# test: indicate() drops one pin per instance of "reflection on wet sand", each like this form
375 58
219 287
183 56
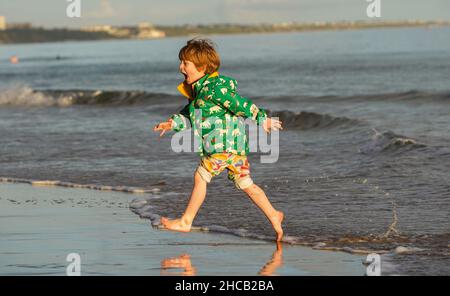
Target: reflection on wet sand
181 262
274 263
184 263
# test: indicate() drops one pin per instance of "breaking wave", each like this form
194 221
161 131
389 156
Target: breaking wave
26 96
389 142
311 120
407 96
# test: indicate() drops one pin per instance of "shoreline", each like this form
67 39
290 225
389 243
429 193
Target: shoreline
205 30
142 208
42 225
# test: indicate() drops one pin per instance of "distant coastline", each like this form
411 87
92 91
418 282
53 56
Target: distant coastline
34 34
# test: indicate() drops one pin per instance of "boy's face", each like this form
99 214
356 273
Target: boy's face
190 71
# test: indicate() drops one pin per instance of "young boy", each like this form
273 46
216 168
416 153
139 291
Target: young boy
213 111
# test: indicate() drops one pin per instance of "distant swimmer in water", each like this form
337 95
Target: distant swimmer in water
14 59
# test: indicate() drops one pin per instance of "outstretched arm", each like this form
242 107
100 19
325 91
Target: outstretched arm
176 122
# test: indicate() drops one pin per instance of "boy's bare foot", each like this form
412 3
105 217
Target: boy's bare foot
276 223
175 225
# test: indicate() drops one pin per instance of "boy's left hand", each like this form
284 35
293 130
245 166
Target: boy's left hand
272 124
163 127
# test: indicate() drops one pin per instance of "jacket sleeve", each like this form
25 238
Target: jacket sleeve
228 98
181 120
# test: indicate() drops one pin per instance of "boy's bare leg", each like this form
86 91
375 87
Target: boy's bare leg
197 197
275 217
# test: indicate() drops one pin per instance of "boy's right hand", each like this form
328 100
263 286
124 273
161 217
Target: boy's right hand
272 124
163 127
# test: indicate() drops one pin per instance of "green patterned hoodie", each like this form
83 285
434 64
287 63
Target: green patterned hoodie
215 112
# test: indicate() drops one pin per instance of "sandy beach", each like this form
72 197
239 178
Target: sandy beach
40 226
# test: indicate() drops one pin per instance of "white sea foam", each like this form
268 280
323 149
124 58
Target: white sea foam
26 96
133 190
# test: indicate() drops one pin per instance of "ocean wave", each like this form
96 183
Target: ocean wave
388 141
407 96
23 95
28 97
311 120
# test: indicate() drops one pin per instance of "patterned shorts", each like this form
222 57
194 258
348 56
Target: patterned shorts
237 166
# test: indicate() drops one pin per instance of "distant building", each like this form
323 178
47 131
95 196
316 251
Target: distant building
150 34
120 32
100 28
148 31
20 26
145 26
141 31
117 32
2 23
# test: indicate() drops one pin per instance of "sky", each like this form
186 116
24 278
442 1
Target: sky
52 13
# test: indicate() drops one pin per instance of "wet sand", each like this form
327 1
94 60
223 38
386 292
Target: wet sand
40 226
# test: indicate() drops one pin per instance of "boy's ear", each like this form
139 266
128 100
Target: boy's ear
202 69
